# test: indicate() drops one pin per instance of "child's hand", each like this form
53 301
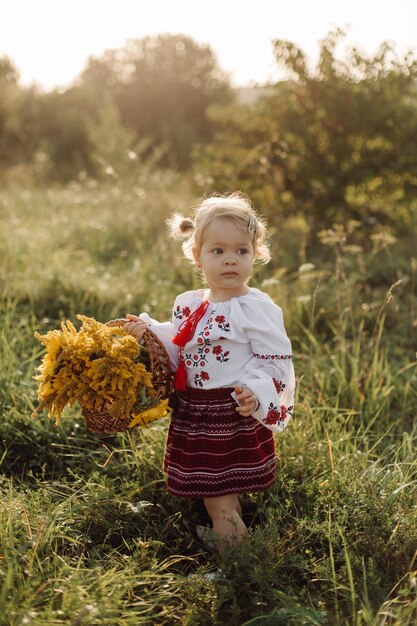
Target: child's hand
247 401
135 326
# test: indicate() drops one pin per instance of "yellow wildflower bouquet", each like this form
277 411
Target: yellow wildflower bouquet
107 371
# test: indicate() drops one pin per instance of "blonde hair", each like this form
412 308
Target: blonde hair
236 207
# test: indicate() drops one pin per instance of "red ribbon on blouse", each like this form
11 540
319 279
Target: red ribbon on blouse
185 334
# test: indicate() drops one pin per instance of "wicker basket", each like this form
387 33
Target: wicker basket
99 419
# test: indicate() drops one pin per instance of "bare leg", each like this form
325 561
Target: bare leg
227 523
238 507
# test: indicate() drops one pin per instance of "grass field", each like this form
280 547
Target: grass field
88 534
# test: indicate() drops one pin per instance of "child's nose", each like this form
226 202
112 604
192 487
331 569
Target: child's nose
230 260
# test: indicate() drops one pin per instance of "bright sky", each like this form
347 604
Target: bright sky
50 40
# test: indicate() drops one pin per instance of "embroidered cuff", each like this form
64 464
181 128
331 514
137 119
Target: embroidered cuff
273 357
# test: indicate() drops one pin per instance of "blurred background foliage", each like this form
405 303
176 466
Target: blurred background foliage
332 144
155 89
328 144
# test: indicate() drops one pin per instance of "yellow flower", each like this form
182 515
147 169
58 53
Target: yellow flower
97 363
149 415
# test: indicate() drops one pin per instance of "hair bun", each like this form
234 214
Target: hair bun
180 226
186 225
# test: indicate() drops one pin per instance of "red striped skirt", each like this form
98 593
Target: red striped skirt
212 451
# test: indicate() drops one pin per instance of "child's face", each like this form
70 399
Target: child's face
226 257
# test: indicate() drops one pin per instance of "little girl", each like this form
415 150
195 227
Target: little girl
234 374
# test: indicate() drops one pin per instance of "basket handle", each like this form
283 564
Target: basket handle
121 321
149 338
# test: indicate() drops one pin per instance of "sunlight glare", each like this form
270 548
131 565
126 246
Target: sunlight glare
50 41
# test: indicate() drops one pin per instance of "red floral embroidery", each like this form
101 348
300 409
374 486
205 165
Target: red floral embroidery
273 416
222 324
276 414
200 377
195 360
220 355
180 313
279 385
285 411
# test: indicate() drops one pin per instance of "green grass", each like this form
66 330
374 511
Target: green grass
88 534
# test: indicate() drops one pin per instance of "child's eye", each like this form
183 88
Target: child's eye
243 251
217 251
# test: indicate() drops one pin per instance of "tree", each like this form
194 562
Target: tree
334 144
10 130
63 121
162 86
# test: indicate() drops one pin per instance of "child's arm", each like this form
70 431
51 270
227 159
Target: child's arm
269 375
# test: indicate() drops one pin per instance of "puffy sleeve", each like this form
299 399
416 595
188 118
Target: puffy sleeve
165 332
270 372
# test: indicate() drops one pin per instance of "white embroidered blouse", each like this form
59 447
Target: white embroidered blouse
238 342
